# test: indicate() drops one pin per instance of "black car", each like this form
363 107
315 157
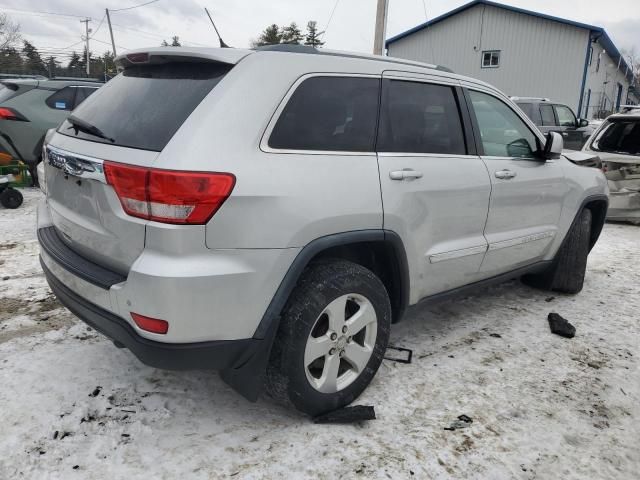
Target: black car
555 117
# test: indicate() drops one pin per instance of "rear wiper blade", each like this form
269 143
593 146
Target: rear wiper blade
80 125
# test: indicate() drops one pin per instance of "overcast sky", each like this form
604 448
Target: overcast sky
351 27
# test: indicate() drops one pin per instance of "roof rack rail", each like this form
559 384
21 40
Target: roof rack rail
308 49
78 79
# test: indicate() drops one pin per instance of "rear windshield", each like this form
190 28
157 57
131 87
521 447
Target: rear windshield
144 106
620 136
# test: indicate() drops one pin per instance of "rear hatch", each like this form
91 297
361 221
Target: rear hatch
98 162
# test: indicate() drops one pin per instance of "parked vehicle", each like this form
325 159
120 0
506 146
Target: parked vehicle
29 107
617 143
283 206
555 117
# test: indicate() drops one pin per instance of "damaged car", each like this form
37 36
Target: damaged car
617 144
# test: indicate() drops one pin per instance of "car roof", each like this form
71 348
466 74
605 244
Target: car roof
232 56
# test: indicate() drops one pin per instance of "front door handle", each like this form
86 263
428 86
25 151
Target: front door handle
505 174
405 174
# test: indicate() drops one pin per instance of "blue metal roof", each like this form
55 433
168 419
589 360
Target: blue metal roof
597 32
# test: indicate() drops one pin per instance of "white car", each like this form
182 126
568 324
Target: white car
617 144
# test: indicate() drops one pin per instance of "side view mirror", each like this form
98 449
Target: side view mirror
583 122
553 146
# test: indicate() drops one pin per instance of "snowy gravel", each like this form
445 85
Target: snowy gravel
545 407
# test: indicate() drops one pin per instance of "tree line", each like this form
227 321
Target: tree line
290 34
18 56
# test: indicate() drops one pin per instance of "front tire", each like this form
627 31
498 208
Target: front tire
332 338
567 273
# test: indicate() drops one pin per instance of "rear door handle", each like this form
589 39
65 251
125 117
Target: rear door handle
505 174
405 174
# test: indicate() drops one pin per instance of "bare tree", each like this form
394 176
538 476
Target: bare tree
9 32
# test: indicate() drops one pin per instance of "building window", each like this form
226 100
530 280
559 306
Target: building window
590 55
491 59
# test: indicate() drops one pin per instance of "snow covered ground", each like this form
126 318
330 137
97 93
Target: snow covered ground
73 406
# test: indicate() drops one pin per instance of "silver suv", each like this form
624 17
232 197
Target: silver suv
270 213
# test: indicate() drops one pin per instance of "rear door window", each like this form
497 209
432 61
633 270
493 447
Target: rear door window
548 117
62 99
420 118
329 114
145 105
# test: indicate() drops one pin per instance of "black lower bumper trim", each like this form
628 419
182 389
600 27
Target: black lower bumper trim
217 355
64 256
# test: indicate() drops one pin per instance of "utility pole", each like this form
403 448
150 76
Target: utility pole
113 43
381 27
87 30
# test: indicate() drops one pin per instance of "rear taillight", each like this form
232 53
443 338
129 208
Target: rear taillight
11 114
149 324
169 196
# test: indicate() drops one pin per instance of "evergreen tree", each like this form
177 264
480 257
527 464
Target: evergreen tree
10 60
270 36
164 43
291 34
53 66
74 62
33 62
175 41
313 36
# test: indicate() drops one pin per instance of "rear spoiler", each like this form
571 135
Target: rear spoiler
161 55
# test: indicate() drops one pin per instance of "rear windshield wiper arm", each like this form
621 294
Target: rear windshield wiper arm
80 125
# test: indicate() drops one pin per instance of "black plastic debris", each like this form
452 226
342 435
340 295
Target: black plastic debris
96 391
561 326
463 421
407 358
495 335
357 413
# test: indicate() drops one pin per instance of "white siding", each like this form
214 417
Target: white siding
603 95
539 57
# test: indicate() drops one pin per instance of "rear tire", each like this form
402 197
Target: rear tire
567 273
340 307
11 198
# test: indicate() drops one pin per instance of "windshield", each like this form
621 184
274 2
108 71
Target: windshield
144 106
619 136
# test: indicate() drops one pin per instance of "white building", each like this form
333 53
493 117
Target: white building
526 54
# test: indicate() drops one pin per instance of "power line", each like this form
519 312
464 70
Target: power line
99 25
39 13
424 5
135 6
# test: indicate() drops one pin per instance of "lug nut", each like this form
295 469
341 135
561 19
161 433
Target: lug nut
344 329
334 336
332 351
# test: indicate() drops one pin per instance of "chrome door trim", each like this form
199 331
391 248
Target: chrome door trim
464 252
521 240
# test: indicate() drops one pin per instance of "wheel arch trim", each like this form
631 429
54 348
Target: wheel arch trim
316 247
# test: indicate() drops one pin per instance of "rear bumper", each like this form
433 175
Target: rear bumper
220 354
